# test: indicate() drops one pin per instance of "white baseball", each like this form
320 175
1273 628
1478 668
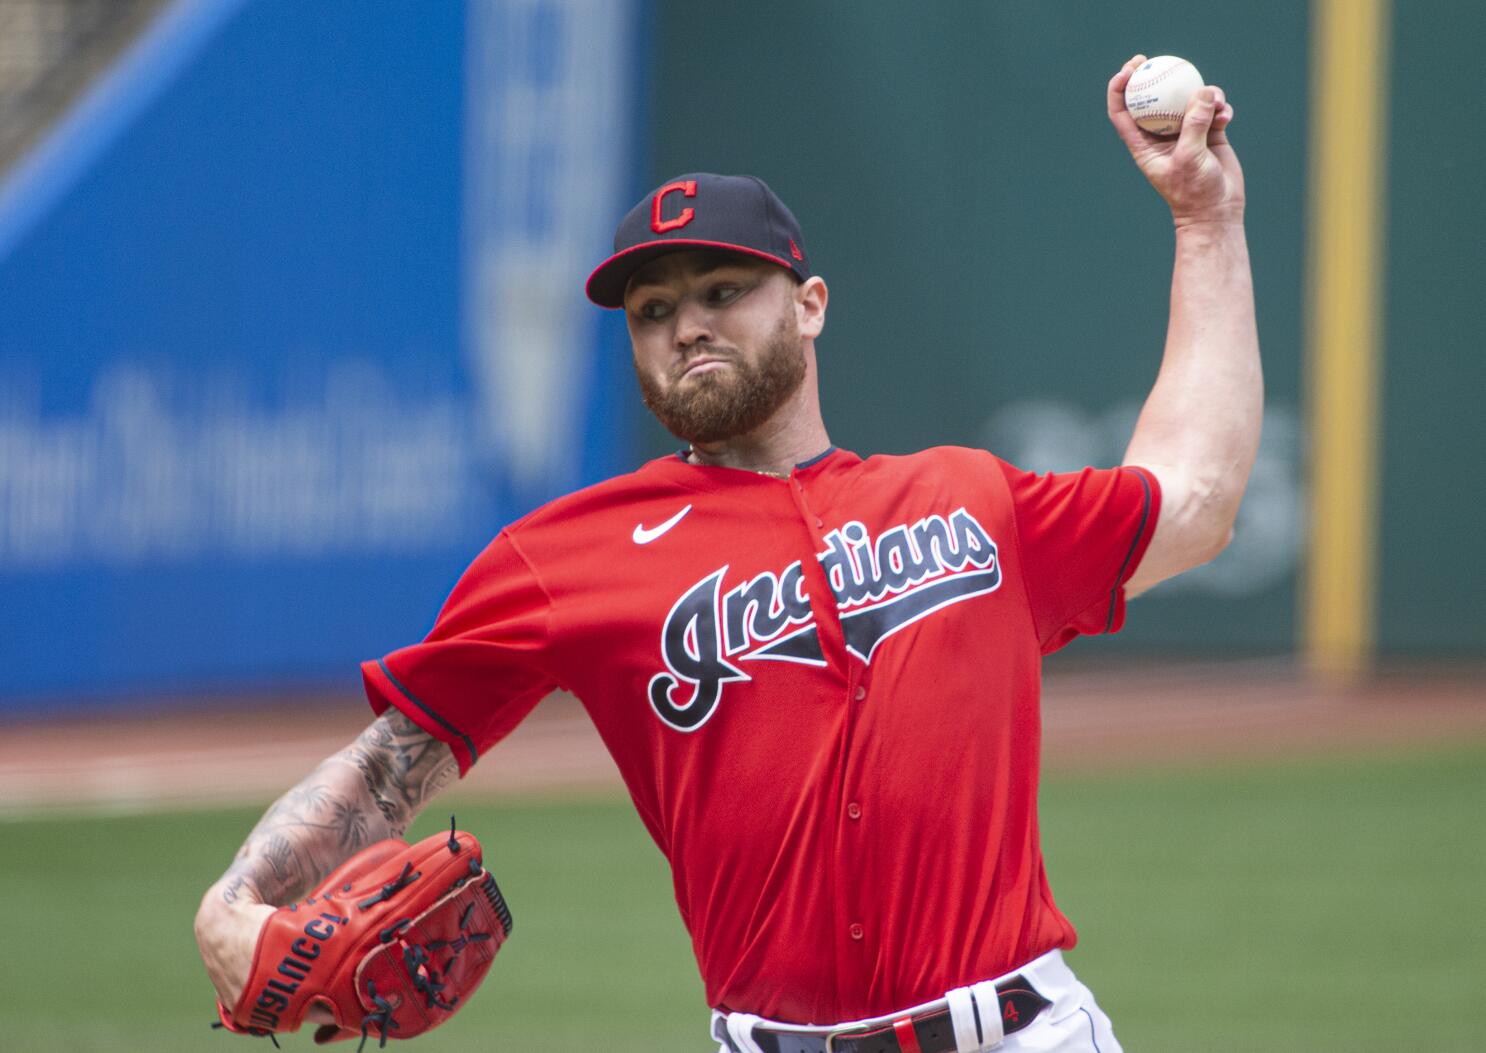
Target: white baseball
1158 92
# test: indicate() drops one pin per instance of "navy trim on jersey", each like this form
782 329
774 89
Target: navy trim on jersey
450 728
1093 1033
1139 533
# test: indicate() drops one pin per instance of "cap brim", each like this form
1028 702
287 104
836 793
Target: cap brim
609 279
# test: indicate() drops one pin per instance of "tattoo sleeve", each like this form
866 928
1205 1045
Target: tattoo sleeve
368 791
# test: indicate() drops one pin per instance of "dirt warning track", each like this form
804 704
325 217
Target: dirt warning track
217 751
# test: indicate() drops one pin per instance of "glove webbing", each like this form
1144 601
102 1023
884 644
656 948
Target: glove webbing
416 956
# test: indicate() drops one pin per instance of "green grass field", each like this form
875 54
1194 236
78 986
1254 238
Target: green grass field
1337 905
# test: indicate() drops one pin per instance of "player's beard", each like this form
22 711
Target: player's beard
725 403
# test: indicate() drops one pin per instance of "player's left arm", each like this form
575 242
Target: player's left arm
369 791
1198 432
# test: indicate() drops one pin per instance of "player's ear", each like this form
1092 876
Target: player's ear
810 304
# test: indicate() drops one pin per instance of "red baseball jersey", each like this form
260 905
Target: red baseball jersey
822 694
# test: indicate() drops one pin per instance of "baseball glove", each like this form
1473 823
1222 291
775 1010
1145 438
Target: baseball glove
391 943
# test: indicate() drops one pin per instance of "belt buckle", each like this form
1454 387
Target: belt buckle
843 1032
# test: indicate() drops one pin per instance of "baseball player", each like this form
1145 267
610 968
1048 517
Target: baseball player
818 673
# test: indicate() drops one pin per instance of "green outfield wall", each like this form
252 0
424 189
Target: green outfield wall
1432 595
999 270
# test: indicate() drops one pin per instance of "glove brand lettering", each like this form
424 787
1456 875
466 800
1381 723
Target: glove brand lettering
273 997
322 932
295 969
907 573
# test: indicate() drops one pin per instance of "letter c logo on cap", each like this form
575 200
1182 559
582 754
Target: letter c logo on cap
660 226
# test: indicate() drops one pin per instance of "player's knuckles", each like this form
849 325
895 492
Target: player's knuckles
1203 101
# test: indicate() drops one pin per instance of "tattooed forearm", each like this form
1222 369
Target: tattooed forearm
371 790
402 768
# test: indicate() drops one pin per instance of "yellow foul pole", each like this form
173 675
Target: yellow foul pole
1344 313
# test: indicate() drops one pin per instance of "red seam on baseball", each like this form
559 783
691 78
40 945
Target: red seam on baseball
1159 77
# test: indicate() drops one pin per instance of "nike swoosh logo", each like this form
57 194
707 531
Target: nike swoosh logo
644 536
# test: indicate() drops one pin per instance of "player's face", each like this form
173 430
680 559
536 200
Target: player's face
716 341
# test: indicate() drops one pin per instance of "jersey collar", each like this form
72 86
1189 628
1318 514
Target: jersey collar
677 468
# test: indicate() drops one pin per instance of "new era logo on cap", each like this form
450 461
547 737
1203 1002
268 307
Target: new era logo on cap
700 211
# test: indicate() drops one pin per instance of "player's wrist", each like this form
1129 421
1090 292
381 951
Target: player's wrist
1228 216
234 889
219 919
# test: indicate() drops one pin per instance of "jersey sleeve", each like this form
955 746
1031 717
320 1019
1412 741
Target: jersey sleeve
1081 536
482 668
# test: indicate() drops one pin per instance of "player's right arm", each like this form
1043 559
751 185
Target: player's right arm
369 791
1198 432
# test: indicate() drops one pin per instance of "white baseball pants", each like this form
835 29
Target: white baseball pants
1073 1023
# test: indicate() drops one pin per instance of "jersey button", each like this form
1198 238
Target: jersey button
856 931
861 693
853 810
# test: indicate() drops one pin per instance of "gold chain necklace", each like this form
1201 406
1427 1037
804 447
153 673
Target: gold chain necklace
691 458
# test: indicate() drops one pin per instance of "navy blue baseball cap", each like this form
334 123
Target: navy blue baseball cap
700 211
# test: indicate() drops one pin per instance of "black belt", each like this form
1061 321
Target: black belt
1019 1006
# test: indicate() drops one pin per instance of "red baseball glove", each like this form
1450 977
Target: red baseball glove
392 943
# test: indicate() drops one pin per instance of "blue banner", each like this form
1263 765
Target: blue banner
291 323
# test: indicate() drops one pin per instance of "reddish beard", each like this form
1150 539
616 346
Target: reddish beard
725 403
